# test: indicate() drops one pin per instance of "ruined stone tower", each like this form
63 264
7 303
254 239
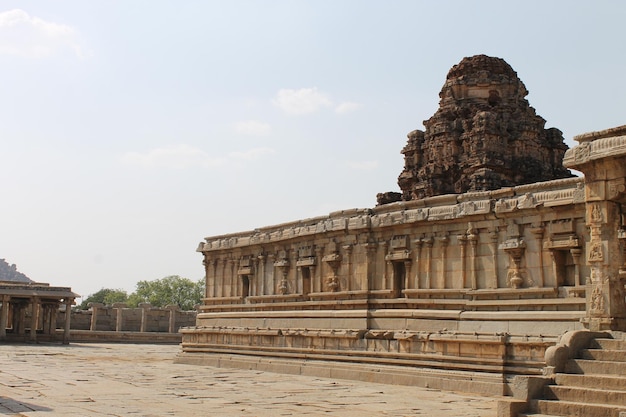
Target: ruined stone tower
484 136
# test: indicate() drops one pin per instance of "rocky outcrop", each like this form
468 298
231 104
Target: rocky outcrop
484 136
10 273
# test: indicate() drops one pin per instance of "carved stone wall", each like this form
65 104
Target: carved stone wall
484 136
478 282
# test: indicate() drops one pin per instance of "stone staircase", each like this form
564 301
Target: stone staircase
592 385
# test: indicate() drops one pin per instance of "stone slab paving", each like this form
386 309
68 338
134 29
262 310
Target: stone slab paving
142 380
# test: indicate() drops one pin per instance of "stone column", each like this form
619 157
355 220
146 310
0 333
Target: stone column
19 318
348 251
417 262
145 308
317 277
371 249
444 260
34 318
429 260
576 253
472 237
45 315
68 317
493 237
53 320
261 274
172 325
384 245
4 317
462 239
538 233
601 156
254 277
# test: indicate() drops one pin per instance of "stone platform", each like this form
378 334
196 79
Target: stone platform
142 380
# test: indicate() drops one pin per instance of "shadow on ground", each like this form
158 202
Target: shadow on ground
9 406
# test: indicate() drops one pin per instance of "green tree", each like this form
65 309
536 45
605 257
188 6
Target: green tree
169 290
106 296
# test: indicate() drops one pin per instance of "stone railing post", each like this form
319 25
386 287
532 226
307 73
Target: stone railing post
173 309
119 318
94 315
145 308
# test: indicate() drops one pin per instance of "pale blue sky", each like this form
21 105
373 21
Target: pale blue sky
130 130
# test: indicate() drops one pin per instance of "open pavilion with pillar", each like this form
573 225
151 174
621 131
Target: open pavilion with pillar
29 311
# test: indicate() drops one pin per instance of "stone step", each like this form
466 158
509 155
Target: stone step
585 395
610 344
595 381
586 366
569 408
603 355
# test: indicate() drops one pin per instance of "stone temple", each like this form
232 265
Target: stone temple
492 271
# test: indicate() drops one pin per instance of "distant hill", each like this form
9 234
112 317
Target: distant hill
9 273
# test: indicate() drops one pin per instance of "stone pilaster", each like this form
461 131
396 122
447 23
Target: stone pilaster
601 156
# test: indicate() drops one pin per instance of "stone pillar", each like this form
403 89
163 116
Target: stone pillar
472 237
19 318
576 253
34 318
384 245
417 262
4 317
173 309
53 320
462 239
317 277
493 237
444 260
261 274
94 315
119 316
254 277
429 260
348 251
145 308
538 233
68 317
601 156
371 249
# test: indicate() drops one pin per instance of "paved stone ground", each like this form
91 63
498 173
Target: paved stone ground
142 380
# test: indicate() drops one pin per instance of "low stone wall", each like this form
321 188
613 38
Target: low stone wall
118 317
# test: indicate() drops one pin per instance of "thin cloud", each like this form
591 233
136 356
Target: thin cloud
253 128
302 101
347 107
177 157
362 165
184 156
28 36
251 154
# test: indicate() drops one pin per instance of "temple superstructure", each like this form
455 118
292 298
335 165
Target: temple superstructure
484 136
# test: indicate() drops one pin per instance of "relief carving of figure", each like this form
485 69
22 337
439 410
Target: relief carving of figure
595 253
597 300
596 213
